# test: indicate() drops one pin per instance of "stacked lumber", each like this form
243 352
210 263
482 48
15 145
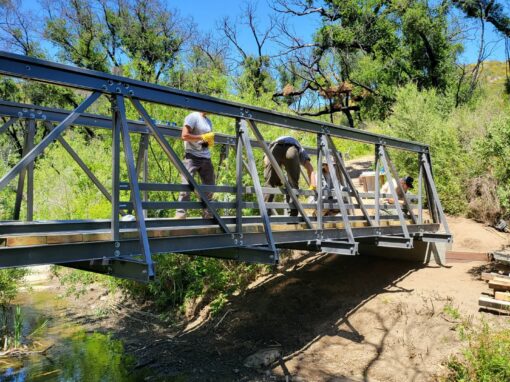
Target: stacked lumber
500 300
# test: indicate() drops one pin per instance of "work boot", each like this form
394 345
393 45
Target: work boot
181 215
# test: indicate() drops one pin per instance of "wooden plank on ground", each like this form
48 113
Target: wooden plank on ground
493 304
502 296
486 276
499 284
466 256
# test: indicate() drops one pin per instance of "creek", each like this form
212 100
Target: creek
72 353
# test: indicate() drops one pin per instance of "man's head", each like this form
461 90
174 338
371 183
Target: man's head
407 183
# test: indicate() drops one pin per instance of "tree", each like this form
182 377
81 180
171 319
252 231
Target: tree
371 46
255 77
145 34
493 12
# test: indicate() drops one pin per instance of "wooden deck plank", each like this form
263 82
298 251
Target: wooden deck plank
62 239
125 234
22 241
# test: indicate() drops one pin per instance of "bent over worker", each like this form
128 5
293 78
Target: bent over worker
289 154
406 183
198 138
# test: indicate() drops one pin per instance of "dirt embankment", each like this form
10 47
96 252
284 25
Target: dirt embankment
331 318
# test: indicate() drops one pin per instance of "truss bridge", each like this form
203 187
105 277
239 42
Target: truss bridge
240 227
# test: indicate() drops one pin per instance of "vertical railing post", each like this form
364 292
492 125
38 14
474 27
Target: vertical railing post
239 178
30 171
115 171
21 177
320 225
337 189
420 186
348 181
252 169
376 187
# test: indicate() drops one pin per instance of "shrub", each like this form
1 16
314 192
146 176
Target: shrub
485 359
423 116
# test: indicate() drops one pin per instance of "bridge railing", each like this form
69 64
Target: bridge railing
229 217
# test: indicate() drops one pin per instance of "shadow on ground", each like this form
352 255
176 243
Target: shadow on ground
291 310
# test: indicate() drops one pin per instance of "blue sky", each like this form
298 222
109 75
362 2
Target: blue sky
206 14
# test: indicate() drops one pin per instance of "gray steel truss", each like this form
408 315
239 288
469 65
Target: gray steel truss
125 248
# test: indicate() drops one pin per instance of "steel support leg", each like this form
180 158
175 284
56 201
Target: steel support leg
30 172
320 184
377 198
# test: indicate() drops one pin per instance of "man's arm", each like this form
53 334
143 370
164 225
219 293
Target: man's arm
187 136
311 174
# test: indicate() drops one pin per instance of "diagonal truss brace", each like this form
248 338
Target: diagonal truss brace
384 162
174 158
274 163
252 169
337 189
396 177
425 163
7 124
341 165
39 148
80 163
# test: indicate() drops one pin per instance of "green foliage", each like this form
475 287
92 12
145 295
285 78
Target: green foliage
10 281
494 149
181 278
451 311
423 116
378 46
485 358
77 282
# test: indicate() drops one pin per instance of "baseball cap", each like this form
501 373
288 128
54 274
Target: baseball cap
409 181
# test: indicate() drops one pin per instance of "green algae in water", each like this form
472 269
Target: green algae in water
83 357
